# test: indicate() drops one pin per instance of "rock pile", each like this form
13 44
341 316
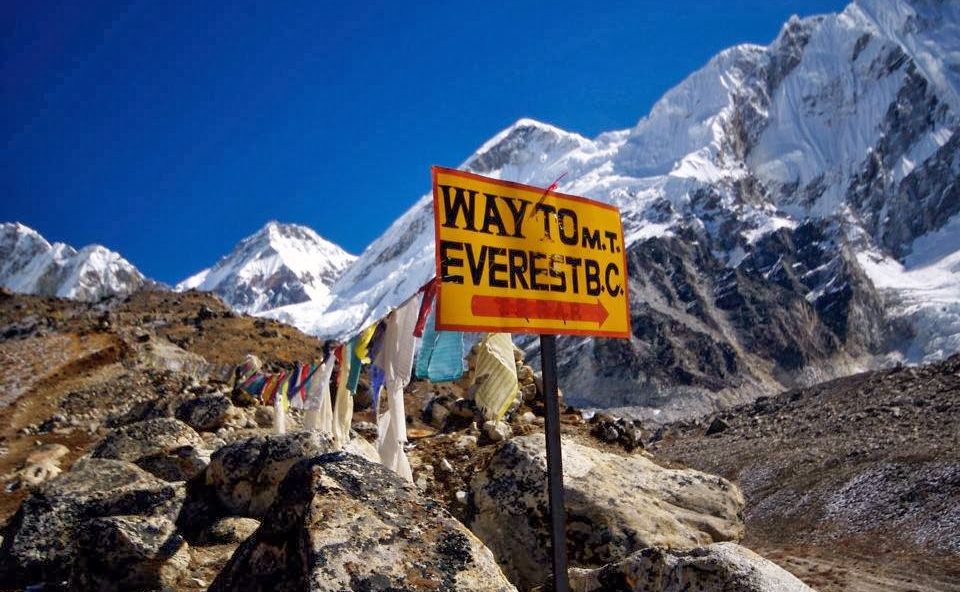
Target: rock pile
451 409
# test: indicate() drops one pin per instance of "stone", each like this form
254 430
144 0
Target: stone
39 542
529 393
717 426
720 567
177 464
167 447
34 474
245 474
497 431
631 437
526 375
437 414
206 413
119 553
341 522
616 505
466 442
232 529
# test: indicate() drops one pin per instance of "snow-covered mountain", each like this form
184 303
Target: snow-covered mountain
281 264
791 211
31 265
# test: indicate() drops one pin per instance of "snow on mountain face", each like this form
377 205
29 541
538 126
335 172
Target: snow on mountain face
848 120
31 265
280 265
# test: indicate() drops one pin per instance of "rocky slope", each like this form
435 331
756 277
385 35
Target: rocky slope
864 467
791 211
31 265
281 264
129 465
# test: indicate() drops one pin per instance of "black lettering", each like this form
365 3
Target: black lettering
591 240
518 208
491 216
591 272
613 290
475 264
612 237
518 267
534 271
446 261
574 263
557 274
547 211
459 205
493 267
568 226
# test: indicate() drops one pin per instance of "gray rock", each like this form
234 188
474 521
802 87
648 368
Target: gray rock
129 553
205 413
720 567
245 474
39 542
343 523
616 505
177 464
167 447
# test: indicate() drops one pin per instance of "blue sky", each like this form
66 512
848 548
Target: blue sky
168 131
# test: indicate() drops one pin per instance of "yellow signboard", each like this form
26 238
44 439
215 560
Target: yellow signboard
518 259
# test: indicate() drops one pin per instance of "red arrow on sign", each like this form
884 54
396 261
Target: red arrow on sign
529 308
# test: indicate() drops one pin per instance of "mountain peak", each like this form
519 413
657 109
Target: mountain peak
32 265
279 265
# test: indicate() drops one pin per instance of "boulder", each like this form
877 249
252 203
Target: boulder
245 474
120 553
206 413
167 447
341 522
616 505
720 567
39 542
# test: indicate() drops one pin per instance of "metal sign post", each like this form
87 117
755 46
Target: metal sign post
558 514
514 258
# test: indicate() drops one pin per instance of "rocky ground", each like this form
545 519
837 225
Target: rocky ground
852 484
126 464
